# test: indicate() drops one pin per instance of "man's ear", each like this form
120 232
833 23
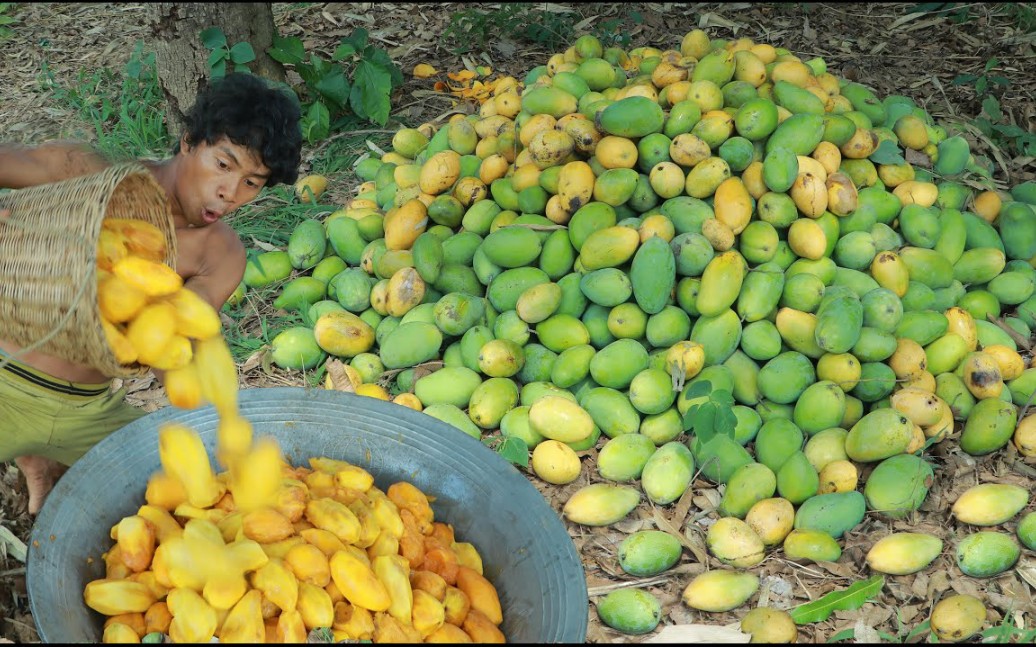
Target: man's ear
185 144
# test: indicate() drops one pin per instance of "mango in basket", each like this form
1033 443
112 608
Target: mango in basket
124 351
141 238
111 248
153 278
151 330
118 300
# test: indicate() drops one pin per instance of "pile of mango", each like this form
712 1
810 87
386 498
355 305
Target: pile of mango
617 228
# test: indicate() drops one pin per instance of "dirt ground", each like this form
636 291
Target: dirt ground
882 45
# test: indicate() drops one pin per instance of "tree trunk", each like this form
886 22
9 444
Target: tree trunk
181 59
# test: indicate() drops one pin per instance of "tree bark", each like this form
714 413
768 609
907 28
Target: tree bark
181 59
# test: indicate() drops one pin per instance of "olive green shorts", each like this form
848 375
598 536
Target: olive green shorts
43 416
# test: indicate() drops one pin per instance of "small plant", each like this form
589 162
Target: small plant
472 29
6 9
357 82
512 449
712 418
125 111
991 121
239 56
615 32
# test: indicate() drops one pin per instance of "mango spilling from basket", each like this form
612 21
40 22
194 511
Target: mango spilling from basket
243 557
149 316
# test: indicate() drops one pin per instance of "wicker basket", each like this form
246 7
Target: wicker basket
48 255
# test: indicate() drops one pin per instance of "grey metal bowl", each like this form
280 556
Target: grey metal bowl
526 550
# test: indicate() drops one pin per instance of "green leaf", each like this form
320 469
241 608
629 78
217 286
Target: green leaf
213 38
723 398
848 599
698 389
991 63
335 88
358 39
963 79
980 84
219 70
704 422
316 122
726 421
287 51
887 153
242 53
514 450
216 56
344 50
369 96
381 58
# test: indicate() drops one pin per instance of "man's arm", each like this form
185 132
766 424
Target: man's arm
22 166
221 269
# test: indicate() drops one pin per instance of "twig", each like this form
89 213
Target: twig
1011 332
13 572
607 588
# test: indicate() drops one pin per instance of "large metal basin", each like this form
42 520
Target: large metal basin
526 551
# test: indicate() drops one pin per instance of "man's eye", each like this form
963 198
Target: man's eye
222 164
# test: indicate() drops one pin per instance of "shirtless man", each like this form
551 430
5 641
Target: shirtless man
241 135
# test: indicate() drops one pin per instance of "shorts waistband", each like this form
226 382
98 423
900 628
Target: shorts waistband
41 379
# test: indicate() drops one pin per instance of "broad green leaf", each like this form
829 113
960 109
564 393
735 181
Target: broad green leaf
287 51
242 53
358 39
344 50
514 450
381 58
698 389
845 600
722 398
335 88
320 66
213 37
704 419
887 153
844 634
308 74
369 96
726 421
316 122
219 70
216 56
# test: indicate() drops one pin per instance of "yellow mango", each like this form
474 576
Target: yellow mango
335 517
119 301
195 317
277 583
358 583
112 597
354 621
405 224
194 621
183 456
121 346
153 278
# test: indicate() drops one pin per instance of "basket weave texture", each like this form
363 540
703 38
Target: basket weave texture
48 256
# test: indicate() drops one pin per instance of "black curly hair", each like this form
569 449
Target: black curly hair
254 114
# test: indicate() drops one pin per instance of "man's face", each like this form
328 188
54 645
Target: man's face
215 179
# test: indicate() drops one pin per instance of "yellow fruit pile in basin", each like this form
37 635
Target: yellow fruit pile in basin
243 557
